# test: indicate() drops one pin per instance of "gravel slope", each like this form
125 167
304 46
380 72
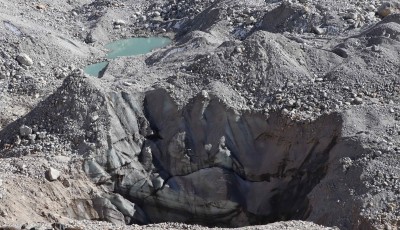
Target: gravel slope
292 105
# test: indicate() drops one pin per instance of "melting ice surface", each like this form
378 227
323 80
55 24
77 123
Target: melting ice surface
127 47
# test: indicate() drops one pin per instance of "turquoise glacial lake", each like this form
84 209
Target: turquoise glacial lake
127 47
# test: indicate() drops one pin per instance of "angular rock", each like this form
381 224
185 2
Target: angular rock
24 59
157 182
120 22
25 131
90 38
357 101
53 174
385 9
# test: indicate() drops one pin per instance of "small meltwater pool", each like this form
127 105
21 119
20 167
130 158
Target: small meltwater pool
127 47
95 69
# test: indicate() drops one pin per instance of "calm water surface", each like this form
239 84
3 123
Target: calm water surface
127 47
